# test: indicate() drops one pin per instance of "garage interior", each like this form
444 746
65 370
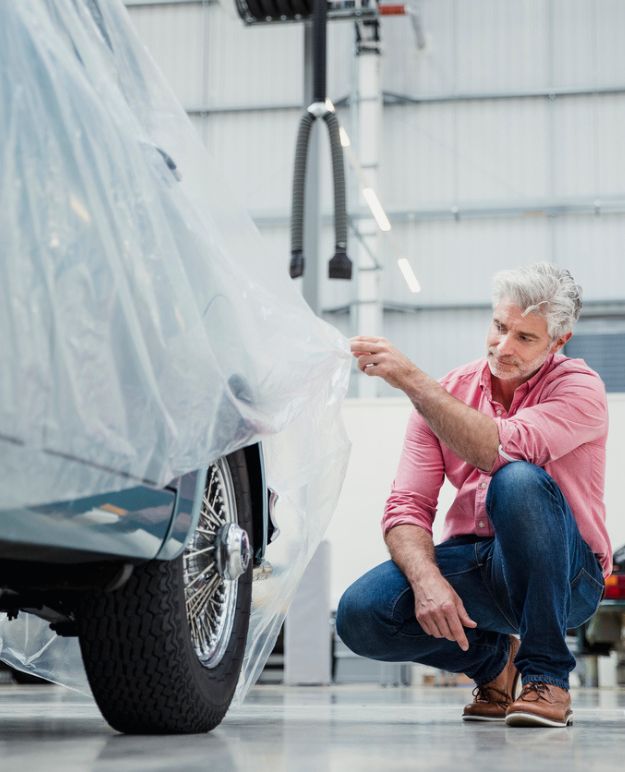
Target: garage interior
490 133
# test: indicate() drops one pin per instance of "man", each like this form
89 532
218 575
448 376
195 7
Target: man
521 435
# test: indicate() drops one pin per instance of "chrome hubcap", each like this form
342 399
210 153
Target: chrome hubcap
232 551
216 556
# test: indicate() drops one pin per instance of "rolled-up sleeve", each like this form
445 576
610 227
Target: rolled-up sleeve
574 413
414 492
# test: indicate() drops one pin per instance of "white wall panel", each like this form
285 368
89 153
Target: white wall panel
572 56
477 151
501 149
610 23
454 261
500 45
475 45
609 114
340 58
418 155
587 132
594 250
408 70
254 65
256 153
574 147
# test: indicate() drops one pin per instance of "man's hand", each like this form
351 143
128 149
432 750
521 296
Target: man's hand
470 434
438 607
376 356
440 611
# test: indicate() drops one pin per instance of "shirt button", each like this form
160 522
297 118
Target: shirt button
482 485
481 524
499 411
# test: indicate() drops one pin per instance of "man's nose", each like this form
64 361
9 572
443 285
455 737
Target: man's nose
505 344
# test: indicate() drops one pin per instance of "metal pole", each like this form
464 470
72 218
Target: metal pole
312 208
367 311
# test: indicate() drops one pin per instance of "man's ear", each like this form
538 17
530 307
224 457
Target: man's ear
561 341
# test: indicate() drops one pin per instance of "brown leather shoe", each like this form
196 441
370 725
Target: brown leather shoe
491 700
541 704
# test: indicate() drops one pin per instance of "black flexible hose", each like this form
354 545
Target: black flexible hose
338 174
319 31
340 266
297 201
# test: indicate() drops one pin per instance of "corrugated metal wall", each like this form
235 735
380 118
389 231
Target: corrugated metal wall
517 127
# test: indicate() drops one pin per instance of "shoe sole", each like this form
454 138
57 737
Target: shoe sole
531 719
482 718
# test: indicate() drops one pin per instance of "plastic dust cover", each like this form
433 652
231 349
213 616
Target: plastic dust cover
146 329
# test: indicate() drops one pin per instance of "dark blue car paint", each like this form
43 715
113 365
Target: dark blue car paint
140 523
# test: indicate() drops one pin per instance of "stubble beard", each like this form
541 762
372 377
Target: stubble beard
513 369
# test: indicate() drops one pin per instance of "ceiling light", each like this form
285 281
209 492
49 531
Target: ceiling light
411 279
376 209
345 141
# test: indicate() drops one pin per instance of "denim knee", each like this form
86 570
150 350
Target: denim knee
356 620
516 476
522 496
515 484
350 617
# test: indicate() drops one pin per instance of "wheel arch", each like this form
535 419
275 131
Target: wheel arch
189 495
260 507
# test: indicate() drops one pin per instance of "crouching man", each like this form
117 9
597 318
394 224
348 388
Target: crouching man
521 435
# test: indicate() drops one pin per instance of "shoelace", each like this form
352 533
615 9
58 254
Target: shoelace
535 691
490 694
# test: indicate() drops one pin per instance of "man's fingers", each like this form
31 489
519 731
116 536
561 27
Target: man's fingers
448 623
429 626
445 628
367 345
464 617
366 339
368 364
457 632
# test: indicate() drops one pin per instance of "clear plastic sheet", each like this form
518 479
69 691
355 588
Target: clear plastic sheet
146 329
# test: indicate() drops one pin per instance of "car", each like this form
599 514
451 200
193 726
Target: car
603 633
150 356
155 583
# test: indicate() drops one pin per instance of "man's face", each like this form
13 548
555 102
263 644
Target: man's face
518 345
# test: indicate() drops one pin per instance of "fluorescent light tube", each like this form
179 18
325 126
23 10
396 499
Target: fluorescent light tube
345 141
411 279
376 209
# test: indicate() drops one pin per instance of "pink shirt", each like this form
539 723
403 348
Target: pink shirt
558 420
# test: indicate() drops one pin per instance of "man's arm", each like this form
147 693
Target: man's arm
472 435
438 607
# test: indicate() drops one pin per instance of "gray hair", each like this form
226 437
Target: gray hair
543 289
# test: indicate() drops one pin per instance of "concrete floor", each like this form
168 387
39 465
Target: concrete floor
342 729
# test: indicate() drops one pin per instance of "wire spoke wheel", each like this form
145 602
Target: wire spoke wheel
163 652
210 597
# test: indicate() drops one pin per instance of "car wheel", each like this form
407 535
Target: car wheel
163 653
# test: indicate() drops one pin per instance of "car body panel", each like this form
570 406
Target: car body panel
190 489
140 523
132 523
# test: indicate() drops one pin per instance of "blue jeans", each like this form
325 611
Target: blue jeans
536 577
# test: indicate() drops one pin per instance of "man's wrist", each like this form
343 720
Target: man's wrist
417 385
423 572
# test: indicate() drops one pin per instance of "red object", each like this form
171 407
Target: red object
615 587
392 10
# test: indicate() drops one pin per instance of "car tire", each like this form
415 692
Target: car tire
148 666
